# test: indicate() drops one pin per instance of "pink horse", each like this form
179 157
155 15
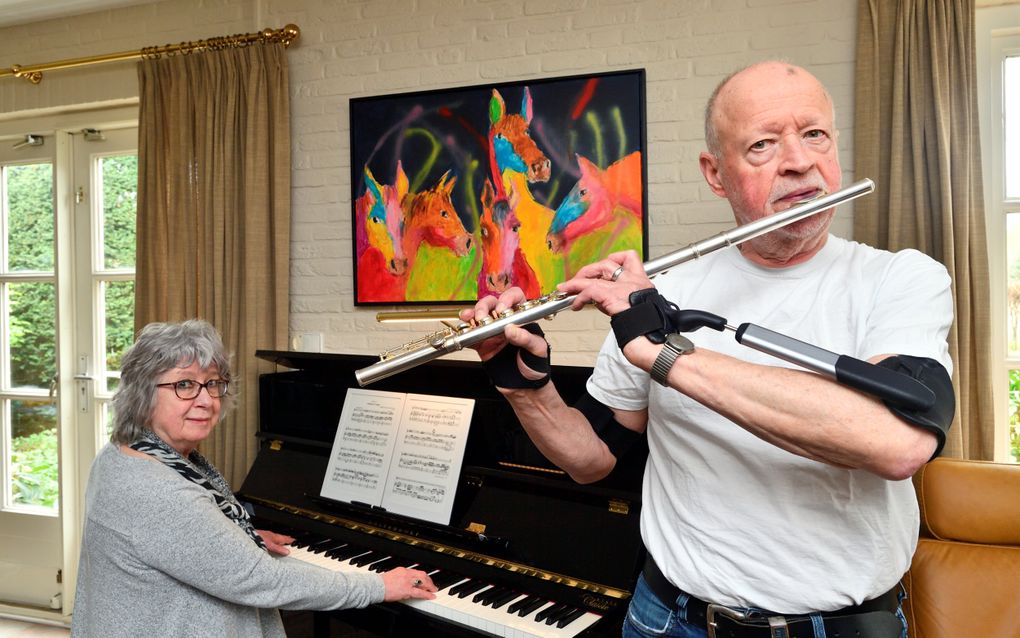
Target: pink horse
599 200
503 263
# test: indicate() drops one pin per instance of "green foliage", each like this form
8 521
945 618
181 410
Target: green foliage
31 247
34 473
120 197
1014 414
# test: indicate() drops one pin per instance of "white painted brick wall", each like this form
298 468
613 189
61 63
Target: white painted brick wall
355 48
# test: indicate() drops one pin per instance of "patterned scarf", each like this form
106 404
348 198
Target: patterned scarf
205 475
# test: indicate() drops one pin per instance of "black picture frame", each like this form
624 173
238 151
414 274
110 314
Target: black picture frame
464 191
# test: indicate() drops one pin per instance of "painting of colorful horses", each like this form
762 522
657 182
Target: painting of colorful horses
463 192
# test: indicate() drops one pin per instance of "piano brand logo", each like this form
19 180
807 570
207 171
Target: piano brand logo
596 602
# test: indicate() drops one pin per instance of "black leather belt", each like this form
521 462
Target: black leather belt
873 618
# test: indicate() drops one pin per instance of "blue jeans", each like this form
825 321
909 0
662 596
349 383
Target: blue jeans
647 617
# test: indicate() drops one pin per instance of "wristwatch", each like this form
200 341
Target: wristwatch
676 345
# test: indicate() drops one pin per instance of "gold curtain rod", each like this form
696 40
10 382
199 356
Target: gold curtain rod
33 73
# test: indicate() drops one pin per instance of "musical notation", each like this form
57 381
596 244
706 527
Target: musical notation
423 437
427 492
434 418
431 439
365 437
355 478
427 464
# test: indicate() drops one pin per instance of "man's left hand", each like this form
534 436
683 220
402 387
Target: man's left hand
607 283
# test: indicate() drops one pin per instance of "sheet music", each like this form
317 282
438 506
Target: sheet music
402 452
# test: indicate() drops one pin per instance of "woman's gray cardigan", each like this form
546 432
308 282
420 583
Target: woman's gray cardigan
159 558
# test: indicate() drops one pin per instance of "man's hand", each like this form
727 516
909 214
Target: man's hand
275 543
513 334
607 283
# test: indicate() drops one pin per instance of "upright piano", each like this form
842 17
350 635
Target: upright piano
528 554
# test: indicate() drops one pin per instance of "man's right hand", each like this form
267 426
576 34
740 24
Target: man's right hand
489 306
513 334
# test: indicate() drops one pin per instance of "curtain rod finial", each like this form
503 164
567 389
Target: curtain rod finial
291 32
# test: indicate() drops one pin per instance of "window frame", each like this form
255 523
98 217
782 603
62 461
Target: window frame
997 35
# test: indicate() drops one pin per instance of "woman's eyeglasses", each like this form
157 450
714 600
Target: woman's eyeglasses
189 388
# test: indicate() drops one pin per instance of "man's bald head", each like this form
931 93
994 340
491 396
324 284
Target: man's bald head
744 79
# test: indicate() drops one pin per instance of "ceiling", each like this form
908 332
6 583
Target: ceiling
13 12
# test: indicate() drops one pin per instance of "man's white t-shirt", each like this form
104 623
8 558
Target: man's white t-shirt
737 521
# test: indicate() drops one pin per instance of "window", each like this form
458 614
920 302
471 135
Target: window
67 253
998 61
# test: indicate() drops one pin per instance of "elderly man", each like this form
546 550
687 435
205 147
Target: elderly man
775 500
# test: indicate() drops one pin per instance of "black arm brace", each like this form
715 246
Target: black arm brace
504 372
616 437
931 374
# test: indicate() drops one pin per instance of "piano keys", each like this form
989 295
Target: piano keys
528 553
472 602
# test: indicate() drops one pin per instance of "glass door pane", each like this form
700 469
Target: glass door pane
1011 125
31 555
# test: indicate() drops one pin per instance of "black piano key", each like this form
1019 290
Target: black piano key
325 548
368 559
444 579
505 598
486 596
549 611
387 564
471 587
457 588
320 546
554 617
306 539
514 608
569 618
346 552
532 606
428 569
299 538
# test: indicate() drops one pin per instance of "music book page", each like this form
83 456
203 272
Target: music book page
401 452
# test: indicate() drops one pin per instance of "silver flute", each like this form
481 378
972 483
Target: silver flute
464 335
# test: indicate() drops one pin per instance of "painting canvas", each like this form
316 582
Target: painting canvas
464 192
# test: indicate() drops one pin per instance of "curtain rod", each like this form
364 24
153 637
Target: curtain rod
33 73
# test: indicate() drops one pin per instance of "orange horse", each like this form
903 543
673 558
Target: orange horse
392 225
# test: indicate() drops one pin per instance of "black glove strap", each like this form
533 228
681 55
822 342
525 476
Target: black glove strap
649 316
504 371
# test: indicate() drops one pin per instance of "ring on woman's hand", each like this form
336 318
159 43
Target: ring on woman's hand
616 274
416 582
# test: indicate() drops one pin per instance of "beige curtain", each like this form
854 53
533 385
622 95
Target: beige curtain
916 135
214 214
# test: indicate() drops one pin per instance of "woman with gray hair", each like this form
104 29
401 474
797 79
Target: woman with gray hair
167 550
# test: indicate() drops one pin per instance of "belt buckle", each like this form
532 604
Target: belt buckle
723 610
777 624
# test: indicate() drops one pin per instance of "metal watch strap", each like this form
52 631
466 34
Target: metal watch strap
668 355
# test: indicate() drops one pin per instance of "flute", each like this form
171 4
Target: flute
464 335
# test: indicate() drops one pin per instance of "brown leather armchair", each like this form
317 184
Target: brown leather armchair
965 577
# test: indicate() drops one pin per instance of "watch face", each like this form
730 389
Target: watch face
680 342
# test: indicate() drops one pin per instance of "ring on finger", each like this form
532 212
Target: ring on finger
416 582
616 274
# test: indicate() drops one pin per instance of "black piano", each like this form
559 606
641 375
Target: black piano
529 552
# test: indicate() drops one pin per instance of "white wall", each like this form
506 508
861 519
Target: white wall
353 48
